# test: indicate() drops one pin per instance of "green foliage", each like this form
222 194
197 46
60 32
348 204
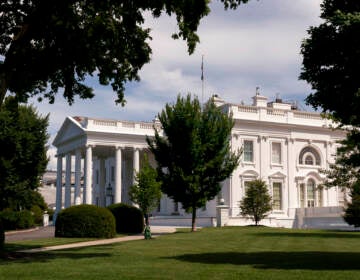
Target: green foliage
352 211
344 172
146 192
85 221
257 202
129 219
331 61
52 45
37 214
194 157
17 219
23 161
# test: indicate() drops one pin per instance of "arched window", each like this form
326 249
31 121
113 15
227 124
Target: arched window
309 156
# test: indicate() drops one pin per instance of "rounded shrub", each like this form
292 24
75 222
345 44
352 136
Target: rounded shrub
16 219
129 219
85 221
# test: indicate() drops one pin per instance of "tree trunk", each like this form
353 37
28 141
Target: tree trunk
3 88
146 219
193 219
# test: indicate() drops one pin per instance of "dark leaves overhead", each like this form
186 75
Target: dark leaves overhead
48 45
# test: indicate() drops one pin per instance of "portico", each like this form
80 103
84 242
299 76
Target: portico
98 169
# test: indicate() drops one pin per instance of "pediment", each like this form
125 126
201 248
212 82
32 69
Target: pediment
70 129
277 175
249 173
315 175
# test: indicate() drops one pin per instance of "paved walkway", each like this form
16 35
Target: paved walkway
44 232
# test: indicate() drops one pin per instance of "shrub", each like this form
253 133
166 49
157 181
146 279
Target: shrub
129 219
16 219
37 214
85 221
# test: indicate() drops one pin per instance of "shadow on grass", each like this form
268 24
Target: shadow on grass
279 260
306 234
75 253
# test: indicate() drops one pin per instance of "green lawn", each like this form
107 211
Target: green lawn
212 253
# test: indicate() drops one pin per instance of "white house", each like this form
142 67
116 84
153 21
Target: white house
282 145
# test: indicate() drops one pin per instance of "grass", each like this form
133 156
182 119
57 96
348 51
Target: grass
211 253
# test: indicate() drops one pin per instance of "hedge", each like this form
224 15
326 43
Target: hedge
17 219
85 221
129 219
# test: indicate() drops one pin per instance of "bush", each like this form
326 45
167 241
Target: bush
38 214
129 219
85 221
16 219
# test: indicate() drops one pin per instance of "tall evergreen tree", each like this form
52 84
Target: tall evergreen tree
257 202
194 155
146 192
23 160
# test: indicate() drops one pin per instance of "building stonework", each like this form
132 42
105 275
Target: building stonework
281 145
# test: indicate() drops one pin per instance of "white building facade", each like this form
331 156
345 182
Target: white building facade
281 145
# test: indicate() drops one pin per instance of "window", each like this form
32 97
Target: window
246 186
309 156
309 160
97 177
276 197
248 151
310 188
112 174
302 195
276 153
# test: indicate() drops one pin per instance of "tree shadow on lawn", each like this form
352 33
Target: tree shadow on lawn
309 234
279 260
74 253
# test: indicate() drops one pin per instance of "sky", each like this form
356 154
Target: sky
257 45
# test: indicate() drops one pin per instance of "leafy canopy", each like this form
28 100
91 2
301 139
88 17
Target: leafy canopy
257 202
23 159
48 45
194 155
331 61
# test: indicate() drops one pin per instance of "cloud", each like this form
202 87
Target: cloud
256 45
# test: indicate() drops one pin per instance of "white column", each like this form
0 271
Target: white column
291 166
136 162
136 167
77 197
118 183
68 181
59 184
88 175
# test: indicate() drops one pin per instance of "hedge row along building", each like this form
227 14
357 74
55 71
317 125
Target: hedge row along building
282 145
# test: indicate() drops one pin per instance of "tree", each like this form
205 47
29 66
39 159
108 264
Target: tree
23 159
146 192
256 202
352 212
52 45
331 62
193 157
